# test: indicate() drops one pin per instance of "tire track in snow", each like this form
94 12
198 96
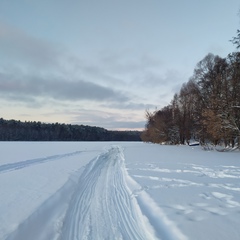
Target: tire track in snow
103 206
27 163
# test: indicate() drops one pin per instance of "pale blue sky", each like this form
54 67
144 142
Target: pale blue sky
103 62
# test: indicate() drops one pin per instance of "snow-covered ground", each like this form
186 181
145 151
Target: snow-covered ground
100 190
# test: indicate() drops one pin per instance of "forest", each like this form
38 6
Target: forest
207 107
12 130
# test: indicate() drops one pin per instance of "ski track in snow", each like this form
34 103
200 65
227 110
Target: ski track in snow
103 203
27 163
104 199
102 206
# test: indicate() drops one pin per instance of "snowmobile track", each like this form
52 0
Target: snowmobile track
102 206
30 162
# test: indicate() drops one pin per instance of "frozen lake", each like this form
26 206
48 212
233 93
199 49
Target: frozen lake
117 190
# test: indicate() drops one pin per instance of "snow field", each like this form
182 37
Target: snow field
198 190
71 191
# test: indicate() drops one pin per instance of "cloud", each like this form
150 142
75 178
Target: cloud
35 73
27 87
124 125
116 125
22 48
107 120
129 105
124 63
92 70
98 80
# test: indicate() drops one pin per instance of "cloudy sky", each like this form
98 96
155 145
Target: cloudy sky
104 62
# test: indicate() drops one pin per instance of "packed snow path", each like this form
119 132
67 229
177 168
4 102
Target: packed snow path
102 206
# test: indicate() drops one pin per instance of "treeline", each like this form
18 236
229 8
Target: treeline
207 108
12 130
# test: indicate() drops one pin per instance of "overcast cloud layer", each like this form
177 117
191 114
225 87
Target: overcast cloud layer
104 63
59 89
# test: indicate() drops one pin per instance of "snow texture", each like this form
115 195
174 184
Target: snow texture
77 191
